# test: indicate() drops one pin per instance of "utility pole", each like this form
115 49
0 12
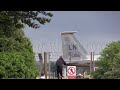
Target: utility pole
45 64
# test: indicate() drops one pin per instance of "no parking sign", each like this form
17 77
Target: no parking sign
71 72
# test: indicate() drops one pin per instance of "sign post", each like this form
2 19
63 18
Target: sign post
71 72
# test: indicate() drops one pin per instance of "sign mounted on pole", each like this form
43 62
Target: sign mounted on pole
71 72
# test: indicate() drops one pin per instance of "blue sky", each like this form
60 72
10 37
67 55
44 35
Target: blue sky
91 26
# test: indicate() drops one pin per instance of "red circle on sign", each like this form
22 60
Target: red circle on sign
71 69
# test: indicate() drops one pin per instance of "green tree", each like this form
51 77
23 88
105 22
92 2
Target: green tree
16 52
109 63
13 21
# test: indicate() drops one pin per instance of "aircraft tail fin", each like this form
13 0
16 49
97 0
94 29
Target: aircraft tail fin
71 47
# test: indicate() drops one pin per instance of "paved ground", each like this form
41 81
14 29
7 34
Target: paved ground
56 77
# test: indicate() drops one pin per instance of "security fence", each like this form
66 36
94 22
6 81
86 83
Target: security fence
95 46
54 50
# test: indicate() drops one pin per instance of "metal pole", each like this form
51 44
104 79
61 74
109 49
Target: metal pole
70 57
41 62
91 62
45 64
53 72
49 63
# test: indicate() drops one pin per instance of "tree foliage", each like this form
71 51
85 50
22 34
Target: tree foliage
109 63
16 52
19 18
17 65
13 21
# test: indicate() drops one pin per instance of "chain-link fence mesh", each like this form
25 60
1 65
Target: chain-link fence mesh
55 50
95 46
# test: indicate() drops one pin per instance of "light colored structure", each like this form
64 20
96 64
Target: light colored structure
72 49
74 52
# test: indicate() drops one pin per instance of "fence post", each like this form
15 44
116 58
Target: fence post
70 57
41 62
49 64
91 62
53 72
45 64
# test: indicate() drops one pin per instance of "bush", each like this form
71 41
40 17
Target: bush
109 63
17 65
17 58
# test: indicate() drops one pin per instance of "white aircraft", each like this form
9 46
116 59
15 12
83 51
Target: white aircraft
73 51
